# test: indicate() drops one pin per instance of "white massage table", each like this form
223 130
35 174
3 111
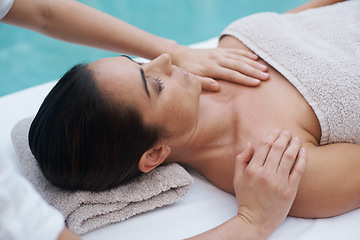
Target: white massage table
202 208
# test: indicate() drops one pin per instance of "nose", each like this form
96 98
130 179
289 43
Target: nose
161 64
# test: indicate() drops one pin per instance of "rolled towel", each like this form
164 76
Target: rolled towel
85 211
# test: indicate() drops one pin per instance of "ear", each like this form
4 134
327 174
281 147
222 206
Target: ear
153 158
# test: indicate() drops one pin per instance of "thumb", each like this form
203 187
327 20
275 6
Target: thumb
243 159
209 84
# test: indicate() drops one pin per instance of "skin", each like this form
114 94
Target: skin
56 19
74 22
320 193
273 171
201 136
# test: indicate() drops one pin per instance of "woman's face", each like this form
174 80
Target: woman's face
166 95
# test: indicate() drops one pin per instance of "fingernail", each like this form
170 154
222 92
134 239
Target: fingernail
264 75
214 85
263 67
255 81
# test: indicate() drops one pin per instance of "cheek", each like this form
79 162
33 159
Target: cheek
179 116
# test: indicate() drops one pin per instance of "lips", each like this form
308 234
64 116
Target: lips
186 75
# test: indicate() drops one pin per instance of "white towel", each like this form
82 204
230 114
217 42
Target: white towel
85 211
318 51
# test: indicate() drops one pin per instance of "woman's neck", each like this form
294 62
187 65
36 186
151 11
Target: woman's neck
216 133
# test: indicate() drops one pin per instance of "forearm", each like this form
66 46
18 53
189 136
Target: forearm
314 4
235 228
74 22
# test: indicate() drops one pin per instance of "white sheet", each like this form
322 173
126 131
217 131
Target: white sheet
202 208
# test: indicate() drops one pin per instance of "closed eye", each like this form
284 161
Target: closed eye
160 84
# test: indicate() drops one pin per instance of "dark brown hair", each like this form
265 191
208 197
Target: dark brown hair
82 140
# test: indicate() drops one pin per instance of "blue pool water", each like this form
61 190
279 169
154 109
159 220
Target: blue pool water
28 58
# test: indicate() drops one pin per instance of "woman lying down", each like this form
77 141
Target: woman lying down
105 123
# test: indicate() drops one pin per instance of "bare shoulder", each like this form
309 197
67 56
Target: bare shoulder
330 184
228 41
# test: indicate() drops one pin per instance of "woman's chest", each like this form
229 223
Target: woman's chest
273 105
276 103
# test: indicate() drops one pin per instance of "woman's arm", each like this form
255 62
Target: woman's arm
331 182
75 22
314 4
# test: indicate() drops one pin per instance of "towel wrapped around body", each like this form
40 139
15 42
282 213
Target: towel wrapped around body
318 51
85 211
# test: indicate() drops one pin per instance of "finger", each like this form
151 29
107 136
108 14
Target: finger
263 149
289 157
247 67
277 150
246 154
298 169
245 56
241 52
236 77
251 62
209 84
255 64
242 160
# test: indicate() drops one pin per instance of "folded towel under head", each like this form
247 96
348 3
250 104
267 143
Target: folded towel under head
86 211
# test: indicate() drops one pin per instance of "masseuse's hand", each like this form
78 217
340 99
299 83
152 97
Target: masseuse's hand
266 180
229 64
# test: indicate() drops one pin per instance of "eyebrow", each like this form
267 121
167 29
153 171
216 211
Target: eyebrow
126 56
145 82
141 72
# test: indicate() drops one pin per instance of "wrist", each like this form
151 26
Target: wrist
254 230
154 46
